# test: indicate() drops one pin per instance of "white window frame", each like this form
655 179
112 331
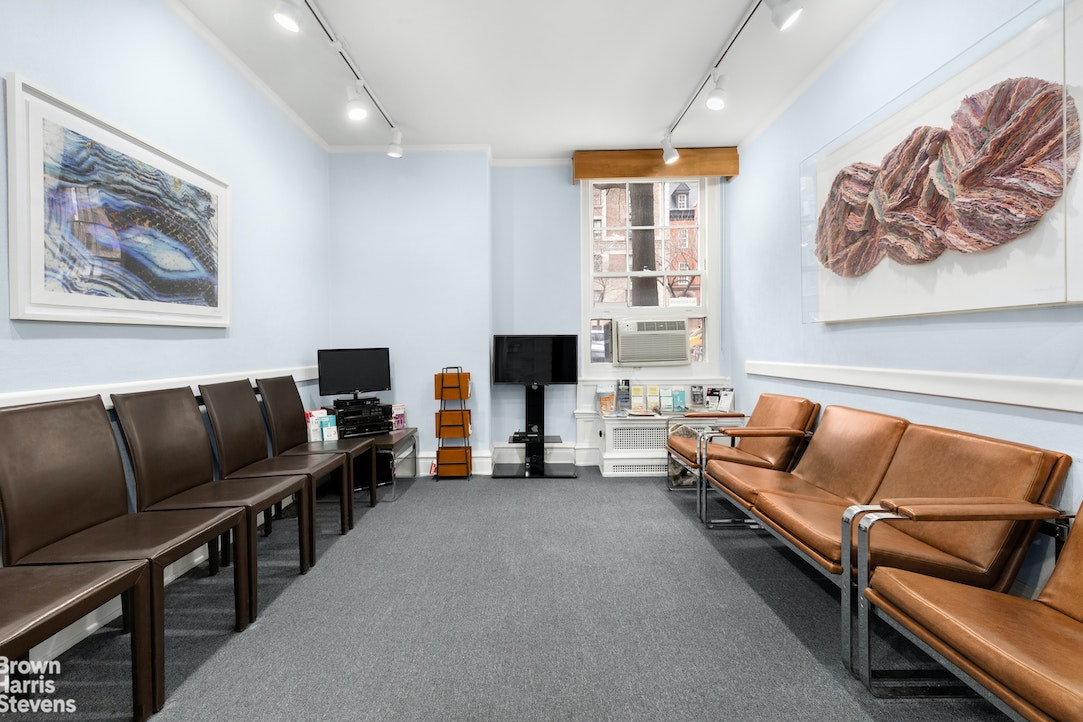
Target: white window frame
710 234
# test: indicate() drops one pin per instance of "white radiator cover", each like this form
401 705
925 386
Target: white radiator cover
635 449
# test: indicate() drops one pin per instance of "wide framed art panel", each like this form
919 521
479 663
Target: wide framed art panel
959 196
105 227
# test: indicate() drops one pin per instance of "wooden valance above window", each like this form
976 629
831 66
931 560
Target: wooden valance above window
591 164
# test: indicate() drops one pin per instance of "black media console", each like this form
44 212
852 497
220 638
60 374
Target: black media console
535 439
360 417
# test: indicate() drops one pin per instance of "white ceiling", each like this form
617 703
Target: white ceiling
534 80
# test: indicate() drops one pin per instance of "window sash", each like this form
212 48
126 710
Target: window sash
680 238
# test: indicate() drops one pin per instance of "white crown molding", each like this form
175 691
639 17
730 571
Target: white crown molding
408 149
247 72
532 162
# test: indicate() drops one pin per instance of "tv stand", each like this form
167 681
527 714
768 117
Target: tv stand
534 439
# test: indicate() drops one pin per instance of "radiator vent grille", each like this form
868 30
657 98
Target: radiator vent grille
643 438
647 468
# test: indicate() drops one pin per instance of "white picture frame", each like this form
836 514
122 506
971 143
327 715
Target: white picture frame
1034 270
104 227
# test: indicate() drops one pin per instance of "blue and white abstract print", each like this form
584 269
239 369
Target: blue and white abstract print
118 227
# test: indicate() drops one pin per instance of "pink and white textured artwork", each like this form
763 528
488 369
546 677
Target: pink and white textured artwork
985 181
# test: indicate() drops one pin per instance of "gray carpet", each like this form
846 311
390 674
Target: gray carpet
508 599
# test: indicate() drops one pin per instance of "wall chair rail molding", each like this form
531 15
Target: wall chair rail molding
17 398
1034 392
106 228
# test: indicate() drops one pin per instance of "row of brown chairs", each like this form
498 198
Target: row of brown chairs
943 578
64 498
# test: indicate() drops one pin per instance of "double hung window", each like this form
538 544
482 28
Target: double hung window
647 256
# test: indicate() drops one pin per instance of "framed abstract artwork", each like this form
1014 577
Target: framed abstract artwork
960 195
106 228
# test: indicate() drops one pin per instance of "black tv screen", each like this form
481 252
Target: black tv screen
535 359
353 370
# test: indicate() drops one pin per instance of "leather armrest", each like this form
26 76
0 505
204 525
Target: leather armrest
894 504
761 431
713 415
973 510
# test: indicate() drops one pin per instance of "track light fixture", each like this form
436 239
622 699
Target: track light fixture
359 98
716 99
394 149
355 107
783 15
669 153
288 15
783 12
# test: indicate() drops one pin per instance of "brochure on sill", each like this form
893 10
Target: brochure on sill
718 399
645 400
624 398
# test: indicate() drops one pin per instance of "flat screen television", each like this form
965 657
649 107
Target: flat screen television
535 359
353 370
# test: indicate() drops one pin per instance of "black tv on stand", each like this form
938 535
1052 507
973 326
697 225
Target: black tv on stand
353 370
535 361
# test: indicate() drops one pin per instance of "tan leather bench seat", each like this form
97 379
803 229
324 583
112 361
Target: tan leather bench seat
858 458
845 459
815 526
1024 651
685 447
745 485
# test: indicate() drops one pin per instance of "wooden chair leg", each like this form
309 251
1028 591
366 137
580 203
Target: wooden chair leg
346 499
304 529
250 543
157 635
214 556
138 601
241 578
372 476
125 614
227 548
310 491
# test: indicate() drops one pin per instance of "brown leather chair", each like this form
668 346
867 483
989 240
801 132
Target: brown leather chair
40 601
1021 654
64 499
289 433
240 436
173 465
772 438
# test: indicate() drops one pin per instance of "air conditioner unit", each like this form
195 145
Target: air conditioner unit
652 343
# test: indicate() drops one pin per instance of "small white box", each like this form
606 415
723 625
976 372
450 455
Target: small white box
329 428
312 421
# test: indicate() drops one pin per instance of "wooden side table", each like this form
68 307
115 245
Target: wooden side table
394 444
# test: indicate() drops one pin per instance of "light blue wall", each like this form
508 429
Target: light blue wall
137 65
433 253
536 259
762 280
410 269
